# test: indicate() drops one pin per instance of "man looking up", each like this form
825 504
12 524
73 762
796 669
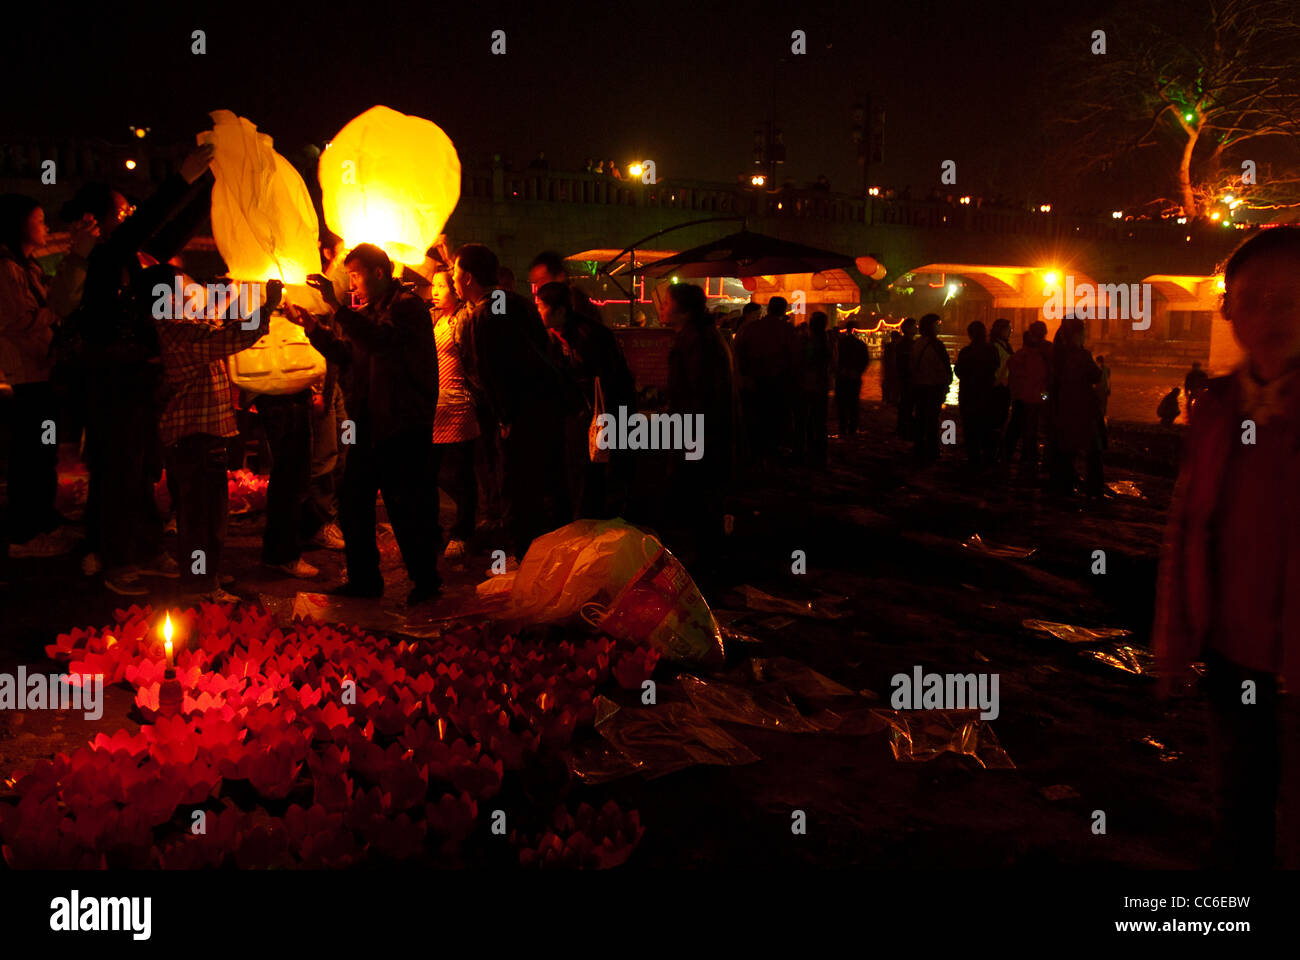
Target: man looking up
390 383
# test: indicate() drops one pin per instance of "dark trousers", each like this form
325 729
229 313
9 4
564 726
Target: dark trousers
815 405
287 422
1023 429
999 405
33 466
1253 747
198 464
122 455
327 460
847 404
1064 478
534 480
980 426
767 410
399 469
906 409
925 426
453 471
487 468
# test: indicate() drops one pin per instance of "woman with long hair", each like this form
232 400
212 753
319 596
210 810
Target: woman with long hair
455 423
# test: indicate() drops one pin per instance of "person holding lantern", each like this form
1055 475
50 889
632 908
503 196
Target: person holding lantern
198 418
390 368
108 358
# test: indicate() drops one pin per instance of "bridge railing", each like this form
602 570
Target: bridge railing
704 198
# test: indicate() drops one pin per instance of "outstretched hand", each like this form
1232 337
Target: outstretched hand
301 316
325 287
274 291
197 163
83 236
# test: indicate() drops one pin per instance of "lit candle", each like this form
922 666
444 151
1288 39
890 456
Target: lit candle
167 639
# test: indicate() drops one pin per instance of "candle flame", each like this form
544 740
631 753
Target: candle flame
167 629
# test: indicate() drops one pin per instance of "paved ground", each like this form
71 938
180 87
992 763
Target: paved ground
884 545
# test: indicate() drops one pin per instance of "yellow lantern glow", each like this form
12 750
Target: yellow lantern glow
390 179
263 220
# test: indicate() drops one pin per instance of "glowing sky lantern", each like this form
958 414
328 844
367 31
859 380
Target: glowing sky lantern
390 179
263 220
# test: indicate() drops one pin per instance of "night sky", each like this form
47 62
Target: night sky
683 83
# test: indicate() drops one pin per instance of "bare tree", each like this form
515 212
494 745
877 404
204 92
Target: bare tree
1211 87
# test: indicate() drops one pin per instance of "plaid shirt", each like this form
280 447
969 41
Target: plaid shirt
194 357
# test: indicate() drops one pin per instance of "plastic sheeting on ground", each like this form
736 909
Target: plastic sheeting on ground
919 735
618 578
769 706
978 543
1126 488
1071 633
825 608
1122 656
424 622
654 741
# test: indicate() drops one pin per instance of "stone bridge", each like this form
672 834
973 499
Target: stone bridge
1005 256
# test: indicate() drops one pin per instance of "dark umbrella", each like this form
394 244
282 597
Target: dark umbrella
747 254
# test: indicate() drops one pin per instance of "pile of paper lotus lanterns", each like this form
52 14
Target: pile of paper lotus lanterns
322 746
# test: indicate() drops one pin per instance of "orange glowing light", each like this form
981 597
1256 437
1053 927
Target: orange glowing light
130 164
390 179
167 631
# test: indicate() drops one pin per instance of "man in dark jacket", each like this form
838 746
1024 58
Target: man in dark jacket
528 394
851 360
390 382
700 384
109 361
977 371
906 395
767 356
